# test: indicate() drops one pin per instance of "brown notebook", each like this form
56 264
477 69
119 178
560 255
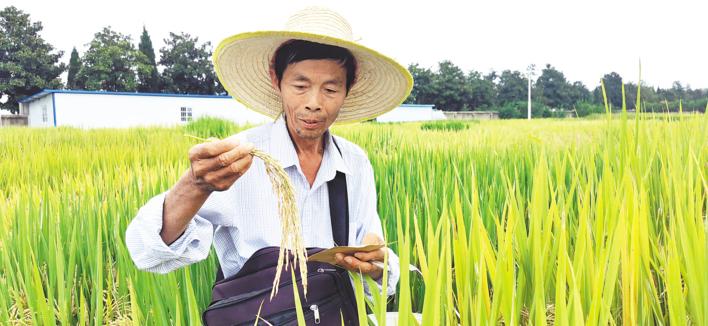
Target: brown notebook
327 256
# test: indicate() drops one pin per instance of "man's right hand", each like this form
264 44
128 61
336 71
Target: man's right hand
216 165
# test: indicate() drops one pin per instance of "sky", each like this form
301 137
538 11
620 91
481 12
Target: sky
583 39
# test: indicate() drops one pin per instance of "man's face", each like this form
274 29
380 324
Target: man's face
312 92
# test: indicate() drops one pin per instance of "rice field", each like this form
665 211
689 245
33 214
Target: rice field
510 222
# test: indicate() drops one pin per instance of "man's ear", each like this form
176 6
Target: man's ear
274 82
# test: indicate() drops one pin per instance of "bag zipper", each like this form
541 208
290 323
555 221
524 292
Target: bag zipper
236 299
260 252
316 310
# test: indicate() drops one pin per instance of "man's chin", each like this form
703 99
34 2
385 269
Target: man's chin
310 134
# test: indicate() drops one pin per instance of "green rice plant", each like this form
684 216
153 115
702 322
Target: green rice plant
578 230
446 125
207 126
598 221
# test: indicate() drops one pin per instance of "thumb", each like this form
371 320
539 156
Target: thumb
372 239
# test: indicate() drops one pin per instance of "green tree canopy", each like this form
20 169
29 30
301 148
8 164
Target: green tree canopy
449 82
513 86
148 78
613 89
28 64
553 89
74 67
481 92
111 63
450 89
423 92
577 92
188 67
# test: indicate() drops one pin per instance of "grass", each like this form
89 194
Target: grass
570 222
446 125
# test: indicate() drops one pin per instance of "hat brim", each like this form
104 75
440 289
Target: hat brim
242 63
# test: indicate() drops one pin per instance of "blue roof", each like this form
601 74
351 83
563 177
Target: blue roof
417 106
67 91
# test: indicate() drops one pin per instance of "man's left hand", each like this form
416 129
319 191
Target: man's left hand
360 261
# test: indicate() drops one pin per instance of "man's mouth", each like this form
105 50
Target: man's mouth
310 123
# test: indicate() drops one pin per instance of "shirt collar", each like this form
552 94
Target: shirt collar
283 149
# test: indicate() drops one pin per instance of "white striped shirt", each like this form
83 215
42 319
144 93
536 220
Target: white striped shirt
244 218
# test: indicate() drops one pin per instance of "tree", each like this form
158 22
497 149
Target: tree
480 90
27 62
553 88
613 89
512 86
148 78
678 91
110 63
423 92
519 110
74 67
583 108
577 92
188 67
449 84
219 90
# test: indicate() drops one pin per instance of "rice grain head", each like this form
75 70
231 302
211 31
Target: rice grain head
291 243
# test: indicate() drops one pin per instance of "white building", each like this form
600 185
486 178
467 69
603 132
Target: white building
412 112
98 109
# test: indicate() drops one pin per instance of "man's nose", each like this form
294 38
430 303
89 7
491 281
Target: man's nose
314 101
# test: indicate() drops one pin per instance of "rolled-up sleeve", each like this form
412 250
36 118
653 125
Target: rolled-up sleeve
150 253
371 223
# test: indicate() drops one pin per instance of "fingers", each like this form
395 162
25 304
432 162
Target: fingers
235 169
203 165
234 154
355 265
372 255
241 165
372 238
216 165
223 178
213 148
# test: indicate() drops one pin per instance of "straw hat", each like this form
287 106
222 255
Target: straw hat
242 63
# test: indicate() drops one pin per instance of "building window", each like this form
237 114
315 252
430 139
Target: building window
44 114
185 114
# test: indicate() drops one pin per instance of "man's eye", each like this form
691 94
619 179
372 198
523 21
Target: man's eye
299 87
331 91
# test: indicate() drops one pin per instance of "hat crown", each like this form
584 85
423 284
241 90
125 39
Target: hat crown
322 21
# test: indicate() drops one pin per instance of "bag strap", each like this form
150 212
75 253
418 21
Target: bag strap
339 206
338 211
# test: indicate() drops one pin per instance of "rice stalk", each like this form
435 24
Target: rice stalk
291 242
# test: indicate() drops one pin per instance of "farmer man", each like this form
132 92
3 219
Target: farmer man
307 77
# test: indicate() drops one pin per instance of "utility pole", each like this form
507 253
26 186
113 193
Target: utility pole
529 75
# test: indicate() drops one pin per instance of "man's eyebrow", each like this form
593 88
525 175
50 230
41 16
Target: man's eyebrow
336 81
333 81
301 78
